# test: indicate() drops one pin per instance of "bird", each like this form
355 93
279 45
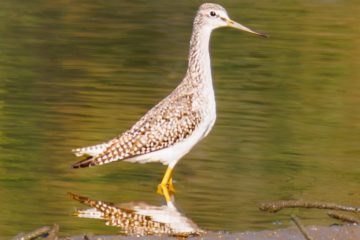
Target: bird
177 123
140 218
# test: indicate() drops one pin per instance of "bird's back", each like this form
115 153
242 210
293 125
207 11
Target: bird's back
171 121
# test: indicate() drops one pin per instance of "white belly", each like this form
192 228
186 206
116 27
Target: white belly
171 155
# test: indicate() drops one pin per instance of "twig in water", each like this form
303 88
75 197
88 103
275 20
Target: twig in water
33 234
301 227
277 206
343 217
53 233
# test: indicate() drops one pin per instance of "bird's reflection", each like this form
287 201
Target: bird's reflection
140 219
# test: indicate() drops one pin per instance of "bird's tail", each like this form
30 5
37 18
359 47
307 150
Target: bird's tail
87 162
91 153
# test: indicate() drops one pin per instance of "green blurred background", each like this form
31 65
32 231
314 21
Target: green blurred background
76 73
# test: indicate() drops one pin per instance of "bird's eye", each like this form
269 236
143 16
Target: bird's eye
212 13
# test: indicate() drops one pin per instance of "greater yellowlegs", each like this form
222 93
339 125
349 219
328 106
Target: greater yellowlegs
170 129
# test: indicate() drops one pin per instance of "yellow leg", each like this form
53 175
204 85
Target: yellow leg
166 182
170 185
165 192
167 176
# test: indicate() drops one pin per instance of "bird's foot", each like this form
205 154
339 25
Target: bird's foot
160 188
164 189
166 183
168 186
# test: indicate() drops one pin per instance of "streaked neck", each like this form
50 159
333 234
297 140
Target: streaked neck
199 68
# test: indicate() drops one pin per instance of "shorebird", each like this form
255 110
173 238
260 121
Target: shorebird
177 123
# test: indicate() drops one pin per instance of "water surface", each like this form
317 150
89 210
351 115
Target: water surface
76 74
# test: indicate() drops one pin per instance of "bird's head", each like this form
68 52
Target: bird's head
215 16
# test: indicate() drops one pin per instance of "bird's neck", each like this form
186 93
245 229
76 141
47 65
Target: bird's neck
199 68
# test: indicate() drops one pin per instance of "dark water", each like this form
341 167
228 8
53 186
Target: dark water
78 73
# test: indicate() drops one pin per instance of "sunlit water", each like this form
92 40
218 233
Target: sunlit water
76 74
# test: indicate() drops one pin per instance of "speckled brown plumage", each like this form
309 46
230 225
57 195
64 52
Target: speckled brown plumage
169 122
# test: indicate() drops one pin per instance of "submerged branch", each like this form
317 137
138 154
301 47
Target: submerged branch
33 234
344 217
301 227
46 232
277 206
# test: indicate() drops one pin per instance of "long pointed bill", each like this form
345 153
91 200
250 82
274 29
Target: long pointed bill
236 25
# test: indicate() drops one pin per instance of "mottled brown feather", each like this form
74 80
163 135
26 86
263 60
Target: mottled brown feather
163 126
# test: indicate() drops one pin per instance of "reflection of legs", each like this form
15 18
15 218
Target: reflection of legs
166 182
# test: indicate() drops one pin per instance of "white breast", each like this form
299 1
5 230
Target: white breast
171 155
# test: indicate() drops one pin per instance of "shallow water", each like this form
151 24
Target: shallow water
76 74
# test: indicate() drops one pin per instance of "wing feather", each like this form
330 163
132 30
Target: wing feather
164 125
